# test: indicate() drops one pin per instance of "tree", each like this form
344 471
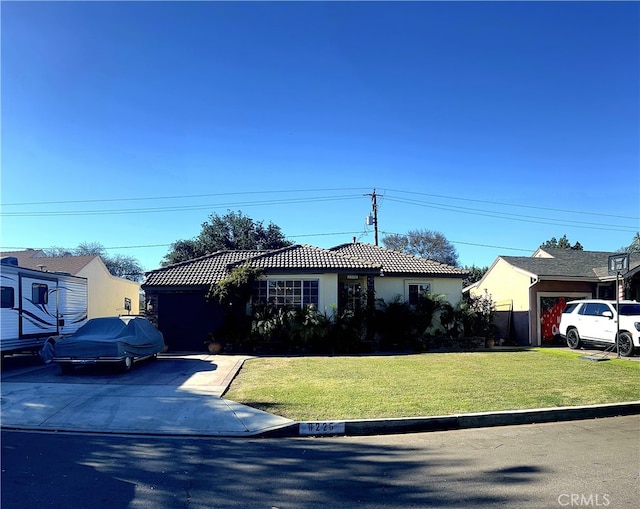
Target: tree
232 231
182 250
563 243
634 247
118 265
475 275
424 244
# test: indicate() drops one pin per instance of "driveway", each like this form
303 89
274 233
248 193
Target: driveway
175 394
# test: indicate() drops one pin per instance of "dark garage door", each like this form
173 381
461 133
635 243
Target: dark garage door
186 319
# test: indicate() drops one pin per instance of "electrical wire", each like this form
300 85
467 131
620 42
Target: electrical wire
637 218
180 197
517 217
208 206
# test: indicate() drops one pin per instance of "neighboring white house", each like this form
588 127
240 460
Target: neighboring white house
108 295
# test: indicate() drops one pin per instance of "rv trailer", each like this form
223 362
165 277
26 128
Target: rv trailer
37 305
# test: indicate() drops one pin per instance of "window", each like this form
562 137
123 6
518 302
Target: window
7 297
570 307
39 293
418 291
594 309
286 292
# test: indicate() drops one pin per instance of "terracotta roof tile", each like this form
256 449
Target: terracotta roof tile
202 271
360 258
394 262
304 257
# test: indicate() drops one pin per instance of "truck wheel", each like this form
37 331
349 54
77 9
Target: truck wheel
625 344
573 339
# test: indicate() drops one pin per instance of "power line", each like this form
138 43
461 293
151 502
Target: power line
517 217
179 197
488 246
176 208
265 202
636 218
144 246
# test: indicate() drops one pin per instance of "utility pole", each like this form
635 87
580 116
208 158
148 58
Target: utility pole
374 205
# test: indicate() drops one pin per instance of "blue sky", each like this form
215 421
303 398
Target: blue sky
500 125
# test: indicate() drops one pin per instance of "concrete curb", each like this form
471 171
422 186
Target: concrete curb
463 421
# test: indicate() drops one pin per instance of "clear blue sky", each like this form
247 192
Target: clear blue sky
500 125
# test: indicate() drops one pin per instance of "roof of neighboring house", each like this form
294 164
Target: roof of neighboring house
395 263
202 271
568 263
565 264
33 259
22 256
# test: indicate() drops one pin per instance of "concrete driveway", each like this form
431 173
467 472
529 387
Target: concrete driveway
180 394
175 394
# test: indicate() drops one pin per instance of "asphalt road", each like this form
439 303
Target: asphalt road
593 463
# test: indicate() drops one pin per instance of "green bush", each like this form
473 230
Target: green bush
394 326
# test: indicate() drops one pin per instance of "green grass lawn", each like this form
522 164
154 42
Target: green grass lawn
361 387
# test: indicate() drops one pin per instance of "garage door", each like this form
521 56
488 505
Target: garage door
186 319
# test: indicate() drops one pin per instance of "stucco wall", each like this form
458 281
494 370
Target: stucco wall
106 293
504 283
388 287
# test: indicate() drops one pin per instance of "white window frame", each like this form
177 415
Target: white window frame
409 283
288 286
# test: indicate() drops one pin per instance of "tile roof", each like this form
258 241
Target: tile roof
215 267
32 259
396 263
568 263
202 271
304 258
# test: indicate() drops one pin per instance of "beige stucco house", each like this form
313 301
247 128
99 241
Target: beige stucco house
333 279
530 292
107 295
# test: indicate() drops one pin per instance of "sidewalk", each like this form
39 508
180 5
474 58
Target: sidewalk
181 394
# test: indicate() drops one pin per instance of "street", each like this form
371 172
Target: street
591 463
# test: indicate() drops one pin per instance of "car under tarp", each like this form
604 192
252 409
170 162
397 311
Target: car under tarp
111 337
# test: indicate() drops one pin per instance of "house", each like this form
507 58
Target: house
334 279
107 295
530 292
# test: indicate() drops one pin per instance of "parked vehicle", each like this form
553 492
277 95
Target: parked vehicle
112 340
595 322
37 305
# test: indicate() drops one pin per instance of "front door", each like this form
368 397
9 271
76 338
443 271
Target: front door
351 295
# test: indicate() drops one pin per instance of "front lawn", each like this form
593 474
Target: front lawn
362 387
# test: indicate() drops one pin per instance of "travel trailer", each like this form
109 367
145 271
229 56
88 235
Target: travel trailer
37 305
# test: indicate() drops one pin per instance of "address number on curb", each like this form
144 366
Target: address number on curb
321 428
